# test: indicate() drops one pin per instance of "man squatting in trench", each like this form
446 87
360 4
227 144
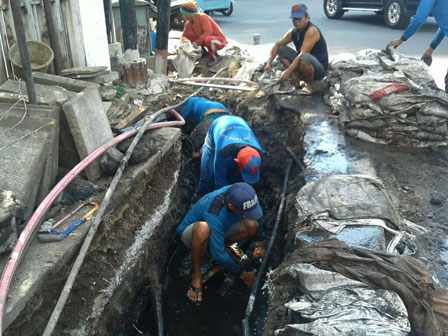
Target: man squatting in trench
225 216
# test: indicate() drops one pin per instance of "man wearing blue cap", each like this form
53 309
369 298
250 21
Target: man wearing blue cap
225 216
310 62
231 153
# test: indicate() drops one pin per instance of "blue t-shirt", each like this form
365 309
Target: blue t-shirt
212 208
197 106
227 136
439 9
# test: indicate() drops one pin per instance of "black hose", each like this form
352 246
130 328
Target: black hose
260 273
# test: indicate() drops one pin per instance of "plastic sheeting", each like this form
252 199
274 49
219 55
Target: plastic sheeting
406 276
335 305
335 202
186 58
415 116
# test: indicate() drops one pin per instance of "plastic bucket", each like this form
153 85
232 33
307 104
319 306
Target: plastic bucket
41 57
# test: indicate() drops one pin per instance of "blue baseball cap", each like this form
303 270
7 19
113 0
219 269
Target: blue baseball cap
244 198
298 11
249 162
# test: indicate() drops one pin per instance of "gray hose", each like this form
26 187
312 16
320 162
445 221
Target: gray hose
261 270
51 325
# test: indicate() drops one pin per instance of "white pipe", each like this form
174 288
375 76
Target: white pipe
36 23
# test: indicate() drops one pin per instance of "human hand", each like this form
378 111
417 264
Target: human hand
195 45
427 57
248 278
260 250
394 43
285 75
267 67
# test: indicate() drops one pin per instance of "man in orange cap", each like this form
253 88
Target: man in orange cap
202 31
231 153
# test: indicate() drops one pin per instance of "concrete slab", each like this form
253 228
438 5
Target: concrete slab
106 78
70 84
11 98
23 164
8 208
83 70
89 125
43 92
35 117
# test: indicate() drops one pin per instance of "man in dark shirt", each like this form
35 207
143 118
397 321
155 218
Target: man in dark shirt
310 62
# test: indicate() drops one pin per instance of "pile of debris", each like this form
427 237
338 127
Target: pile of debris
387 98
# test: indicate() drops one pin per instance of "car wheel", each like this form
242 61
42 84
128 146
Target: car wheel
333 9
395 14
228 11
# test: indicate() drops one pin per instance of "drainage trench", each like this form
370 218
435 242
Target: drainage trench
222 311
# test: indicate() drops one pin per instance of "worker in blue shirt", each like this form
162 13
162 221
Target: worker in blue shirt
231 153
225 216
199 114
439 9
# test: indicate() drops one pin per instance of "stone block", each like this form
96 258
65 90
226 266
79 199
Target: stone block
43 93
70 84
15 125
89 126
107 78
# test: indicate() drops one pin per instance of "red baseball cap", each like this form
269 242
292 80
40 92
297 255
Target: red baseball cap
249 162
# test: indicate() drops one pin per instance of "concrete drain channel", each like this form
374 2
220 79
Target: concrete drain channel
225 304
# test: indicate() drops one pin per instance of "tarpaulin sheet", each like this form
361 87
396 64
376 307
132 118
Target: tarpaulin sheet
406 276
361 93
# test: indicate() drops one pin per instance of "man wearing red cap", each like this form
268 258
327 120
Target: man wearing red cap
310 62
227 215
231 153
202 31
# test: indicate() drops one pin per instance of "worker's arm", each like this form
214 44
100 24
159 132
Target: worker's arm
427 56
216 245
283 41
423 11
310 40
186 32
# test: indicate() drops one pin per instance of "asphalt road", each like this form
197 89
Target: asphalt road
353 32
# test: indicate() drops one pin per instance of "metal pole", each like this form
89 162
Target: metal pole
106 4
128 24
163 29
54 43
24 55
261 270
112 23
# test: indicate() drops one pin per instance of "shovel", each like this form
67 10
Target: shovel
56 235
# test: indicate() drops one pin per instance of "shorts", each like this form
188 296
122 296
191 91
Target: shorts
290 54
187 235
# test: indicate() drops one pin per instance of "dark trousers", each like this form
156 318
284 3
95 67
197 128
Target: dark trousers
446 81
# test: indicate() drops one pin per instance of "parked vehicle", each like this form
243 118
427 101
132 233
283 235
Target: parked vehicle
396 13
223 6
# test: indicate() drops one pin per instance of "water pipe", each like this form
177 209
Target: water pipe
261 270
214 79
